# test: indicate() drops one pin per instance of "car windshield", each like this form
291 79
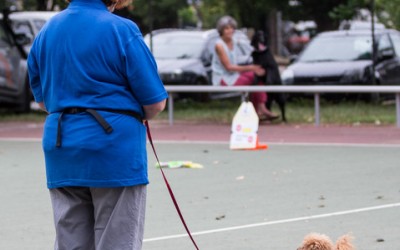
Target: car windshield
343 48
39 23
177 46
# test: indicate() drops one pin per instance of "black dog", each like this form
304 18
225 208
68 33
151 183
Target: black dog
263 56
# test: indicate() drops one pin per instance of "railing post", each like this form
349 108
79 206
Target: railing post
398 109
171 108
245 96
316 109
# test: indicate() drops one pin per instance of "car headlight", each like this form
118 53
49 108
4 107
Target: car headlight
287 76
174 75
178 71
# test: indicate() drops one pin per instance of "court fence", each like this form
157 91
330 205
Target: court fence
316 90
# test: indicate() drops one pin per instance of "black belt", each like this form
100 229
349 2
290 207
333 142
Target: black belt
103 123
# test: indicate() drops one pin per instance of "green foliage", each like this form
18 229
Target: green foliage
34 116
212 10
162 13
30 4
187 17
299 111
172 13
387 11
347 10
316 10
391 7
250 13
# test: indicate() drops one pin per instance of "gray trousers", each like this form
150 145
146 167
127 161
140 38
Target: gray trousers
99 218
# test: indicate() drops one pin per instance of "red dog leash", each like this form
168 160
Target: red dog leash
168 186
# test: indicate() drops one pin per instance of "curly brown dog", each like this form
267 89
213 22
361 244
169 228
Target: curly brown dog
315 241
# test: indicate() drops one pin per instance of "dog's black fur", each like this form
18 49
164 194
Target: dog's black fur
272 77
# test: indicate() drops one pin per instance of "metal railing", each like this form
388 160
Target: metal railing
316 90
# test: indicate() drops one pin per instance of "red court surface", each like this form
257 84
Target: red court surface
268 133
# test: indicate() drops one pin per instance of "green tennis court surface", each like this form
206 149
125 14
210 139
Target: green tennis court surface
242 200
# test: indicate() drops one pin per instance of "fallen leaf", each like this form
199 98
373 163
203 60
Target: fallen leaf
220 217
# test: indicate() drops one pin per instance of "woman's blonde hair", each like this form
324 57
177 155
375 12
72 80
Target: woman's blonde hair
123 3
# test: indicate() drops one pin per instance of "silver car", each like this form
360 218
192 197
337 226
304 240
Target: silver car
15 93
184 57
30 22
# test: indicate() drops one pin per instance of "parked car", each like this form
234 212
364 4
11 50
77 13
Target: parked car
16 35
30 22
184 56
345 58
359 25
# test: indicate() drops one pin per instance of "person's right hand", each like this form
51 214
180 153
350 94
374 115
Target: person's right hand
258 70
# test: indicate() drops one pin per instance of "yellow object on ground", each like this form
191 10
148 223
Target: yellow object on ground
179 164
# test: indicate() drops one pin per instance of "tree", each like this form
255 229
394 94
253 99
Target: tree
250 13
389 12
347 10
316 10
43 5
161 13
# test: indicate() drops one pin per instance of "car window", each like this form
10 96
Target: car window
385 48
384 43
340 48
177 46
22 27
39 23
396 43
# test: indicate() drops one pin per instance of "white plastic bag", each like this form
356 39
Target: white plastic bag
244 127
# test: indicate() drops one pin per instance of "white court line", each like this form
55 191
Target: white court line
326 144
305 218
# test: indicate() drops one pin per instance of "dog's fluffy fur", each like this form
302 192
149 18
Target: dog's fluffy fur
315 241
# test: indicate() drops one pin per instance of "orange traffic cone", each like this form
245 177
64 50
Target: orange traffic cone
258 146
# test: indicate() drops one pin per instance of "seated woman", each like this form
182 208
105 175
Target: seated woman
226 71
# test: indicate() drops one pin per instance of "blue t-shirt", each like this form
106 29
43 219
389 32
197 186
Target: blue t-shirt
88 57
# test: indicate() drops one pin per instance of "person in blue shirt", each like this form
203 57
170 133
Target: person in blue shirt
96 78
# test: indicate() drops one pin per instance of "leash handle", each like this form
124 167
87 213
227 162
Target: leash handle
168 186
